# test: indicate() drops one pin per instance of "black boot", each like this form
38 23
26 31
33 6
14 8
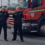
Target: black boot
13 39
22 40
6 40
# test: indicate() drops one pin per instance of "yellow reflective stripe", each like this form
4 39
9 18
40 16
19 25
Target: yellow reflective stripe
36 10
12 11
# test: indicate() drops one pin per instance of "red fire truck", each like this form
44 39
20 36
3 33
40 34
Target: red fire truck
34 14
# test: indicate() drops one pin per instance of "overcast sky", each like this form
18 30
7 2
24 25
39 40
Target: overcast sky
4 2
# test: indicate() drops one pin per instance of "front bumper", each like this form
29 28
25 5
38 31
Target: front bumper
31 28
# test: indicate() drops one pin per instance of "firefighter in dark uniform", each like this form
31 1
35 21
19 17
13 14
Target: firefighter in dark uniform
17 24
3 18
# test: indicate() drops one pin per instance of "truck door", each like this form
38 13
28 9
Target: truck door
36 9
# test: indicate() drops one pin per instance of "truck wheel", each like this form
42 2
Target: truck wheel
42 29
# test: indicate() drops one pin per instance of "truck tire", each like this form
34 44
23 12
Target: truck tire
41 30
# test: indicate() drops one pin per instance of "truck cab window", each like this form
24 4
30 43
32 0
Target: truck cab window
36 4
40 2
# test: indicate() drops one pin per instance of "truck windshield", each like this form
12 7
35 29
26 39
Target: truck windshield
12 4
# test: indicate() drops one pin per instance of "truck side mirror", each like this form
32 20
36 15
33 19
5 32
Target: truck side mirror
34 3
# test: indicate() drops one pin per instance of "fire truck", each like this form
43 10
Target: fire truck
33 12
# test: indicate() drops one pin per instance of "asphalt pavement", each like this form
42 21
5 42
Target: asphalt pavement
29 39
0 9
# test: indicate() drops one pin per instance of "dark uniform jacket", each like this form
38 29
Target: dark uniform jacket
17 17
3 16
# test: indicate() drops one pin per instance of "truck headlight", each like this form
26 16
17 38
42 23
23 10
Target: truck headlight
25 24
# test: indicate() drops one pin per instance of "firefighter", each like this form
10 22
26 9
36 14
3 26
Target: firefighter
17 24
3 18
